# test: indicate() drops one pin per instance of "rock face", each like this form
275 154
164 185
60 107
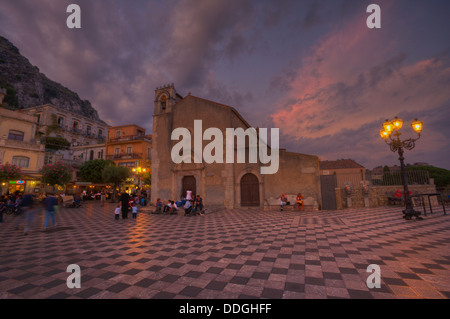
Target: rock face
27 87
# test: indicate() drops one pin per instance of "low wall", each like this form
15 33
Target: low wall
378 195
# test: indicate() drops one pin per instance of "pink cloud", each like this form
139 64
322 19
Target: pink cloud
355 75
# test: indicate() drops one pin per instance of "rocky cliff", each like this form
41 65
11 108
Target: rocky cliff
27 87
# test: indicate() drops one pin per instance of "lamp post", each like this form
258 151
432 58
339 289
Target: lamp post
138 171
391 135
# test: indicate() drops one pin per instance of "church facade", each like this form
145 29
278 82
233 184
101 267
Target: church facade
229 185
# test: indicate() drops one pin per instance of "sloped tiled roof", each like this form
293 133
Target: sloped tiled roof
339 164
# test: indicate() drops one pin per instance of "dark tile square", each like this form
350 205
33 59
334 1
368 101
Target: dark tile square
195 262
54 283
176 265
260 275
145 283
421 271
216 285
332 275
107 275
155 268
359 294
408 275
118 287
291 286
89 292
190 291
21 289
351 271
272 293
314 281
239 280
164 295
394 281
193 274
170 278
132 272
214 270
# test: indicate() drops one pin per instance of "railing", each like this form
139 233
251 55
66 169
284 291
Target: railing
124 156
413 178
127 138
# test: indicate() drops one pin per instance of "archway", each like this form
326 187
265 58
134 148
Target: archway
249 190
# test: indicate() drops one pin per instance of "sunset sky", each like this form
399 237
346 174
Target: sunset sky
311 68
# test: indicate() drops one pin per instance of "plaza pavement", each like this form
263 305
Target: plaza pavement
228 254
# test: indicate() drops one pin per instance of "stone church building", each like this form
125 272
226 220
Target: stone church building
229 185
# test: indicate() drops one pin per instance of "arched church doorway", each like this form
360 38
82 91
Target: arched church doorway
249 190
189 184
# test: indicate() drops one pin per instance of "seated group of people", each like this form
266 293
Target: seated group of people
190 206
298 201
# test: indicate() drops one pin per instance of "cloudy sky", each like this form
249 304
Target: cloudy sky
310 67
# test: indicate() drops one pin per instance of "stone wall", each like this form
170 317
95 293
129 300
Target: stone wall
377 195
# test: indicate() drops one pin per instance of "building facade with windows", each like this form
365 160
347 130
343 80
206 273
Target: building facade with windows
128 145
222 184
19 146
76 129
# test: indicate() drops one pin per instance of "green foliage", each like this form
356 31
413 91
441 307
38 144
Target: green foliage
115 174
91 171
56 174
54 127
441 175
11 95
56 143
147 179
9 172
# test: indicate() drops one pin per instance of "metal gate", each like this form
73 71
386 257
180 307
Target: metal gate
249 190
328 183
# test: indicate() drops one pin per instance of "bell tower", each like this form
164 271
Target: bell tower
165 97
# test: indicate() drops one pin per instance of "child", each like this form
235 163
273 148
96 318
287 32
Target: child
134 211
117 212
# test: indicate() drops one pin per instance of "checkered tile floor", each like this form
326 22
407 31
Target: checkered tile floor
228 254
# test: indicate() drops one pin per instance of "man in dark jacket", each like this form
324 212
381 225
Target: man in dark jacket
125 198
50 204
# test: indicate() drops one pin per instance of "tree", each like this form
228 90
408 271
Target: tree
147 179
441 175
91 171
115 175
56 174
9 172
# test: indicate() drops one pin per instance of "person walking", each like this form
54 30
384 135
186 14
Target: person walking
102 197
51 206
2 209
125 199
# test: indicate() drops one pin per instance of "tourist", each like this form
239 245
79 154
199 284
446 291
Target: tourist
2 209
198 205
187 208
299 200
167 206
134 211
51 206
125 200
117 212
102 197
283 201
158 206
173 207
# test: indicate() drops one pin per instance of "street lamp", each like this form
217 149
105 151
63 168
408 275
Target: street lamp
391 135
138 171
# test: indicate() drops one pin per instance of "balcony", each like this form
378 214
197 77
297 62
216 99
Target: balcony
128 138
124 156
